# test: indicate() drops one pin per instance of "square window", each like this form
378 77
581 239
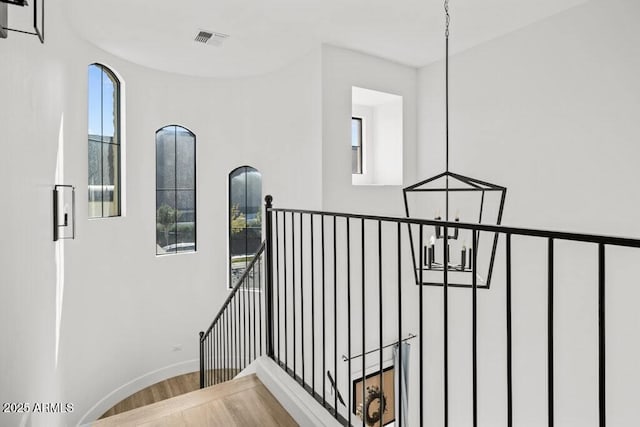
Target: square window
356 145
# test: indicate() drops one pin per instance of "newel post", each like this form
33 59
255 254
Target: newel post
201 359
269 277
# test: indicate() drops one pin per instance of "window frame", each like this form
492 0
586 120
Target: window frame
360 147
247 168
117 135
175 188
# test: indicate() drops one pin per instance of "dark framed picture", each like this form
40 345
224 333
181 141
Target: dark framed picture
379 397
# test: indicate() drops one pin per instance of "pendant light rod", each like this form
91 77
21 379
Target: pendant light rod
446 79
446 97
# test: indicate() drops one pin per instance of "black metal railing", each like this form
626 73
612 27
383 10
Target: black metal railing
235 338
341 291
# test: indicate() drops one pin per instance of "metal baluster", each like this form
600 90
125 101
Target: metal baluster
420 320
278 285
550 386
243 325
286 305
364 348
302 299
212 347
335 317
206 361
474 328
348 319
509 342
214 359
227 346
227 338
400 321
324 320
313 315
229 311
293 288
234 338
380 304
446 325
247 319
602 407
231 322
237 333
245 329
201 360
229 341
214 353
253 304
247 308
217 344
210 356
225 343
241 334
262 295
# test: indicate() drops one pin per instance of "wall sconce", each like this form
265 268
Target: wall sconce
64 212
38 18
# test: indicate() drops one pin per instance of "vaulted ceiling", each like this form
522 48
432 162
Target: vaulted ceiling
265 35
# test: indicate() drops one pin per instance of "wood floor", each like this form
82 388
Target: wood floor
166 389
241 402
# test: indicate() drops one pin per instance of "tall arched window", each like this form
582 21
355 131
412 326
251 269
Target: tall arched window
104 142
175 190
245 219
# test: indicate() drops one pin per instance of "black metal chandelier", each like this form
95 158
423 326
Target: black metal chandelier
472 200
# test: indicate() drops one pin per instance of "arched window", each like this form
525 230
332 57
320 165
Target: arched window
175 190
245 219
104 142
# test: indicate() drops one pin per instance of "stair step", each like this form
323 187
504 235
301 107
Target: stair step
240 402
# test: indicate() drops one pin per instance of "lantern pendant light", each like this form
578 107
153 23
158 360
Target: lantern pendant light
472 200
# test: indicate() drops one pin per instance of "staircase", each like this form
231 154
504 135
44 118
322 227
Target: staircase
325 302
239 402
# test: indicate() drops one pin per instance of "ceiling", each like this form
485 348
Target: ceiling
265 35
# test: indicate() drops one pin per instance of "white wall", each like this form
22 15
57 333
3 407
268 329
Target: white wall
341 70
550 111
32 106
122 308
389 150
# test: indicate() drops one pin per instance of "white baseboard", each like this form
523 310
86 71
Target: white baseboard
300 404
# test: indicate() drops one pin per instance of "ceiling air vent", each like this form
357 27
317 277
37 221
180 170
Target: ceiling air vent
203 37
210 37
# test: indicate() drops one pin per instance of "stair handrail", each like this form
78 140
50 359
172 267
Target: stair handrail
235 288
